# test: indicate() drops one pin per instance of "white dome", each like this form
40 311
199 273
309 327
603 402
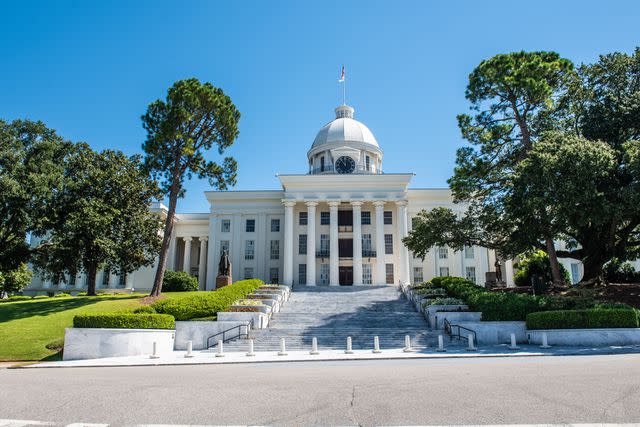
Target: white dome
344 129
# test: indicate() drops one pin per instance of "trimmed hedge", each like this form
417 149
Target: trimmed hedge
145 309
583 319
206 304
179 281
124 321
508 306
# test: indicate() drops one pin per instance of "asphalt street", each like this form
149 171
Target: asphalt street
568 389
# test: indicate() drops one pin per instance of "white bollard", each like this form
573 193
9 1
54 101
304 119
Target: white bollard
441 344
283 348
314 346
189 352
154 355
376 345
407 344
471 347
545 342
349 349
220 352
250 352
513 345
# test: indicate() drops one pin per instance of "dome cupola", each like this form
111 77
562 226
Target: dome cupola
345 145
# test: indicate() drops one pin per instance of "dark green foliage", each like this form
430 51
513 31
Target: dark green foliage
15 280
430 292
443 301
620 272
583 319
536 264
507 306
124 321
145 309
179 281
207 304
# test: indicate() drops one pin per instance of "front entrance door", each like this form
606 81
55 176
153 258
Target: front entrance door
345 276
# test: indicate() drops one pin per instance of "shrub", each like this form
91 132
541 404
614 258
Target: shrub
124 321
536 264
248 302
179 281
616 271
145 309
41 297
62 295
583 319
16 298
206 304
443 301
431 292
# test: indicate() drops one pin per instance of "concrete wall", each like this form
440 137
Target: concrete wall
199 332
488 333
96 343
587 337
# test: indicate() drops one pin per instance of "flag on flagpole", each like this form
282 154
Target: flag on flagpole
341 76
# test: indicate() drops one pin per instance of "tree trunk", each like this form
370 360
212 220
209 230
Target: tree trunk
553 260
91 280
166 240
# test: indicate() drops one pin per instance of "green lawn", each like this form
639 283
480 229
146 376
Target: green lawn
27 327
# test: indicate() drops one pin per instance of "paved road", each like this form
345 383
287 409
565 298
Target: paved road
569 389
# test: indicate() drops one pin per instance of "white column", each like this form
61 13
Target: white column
402 232
202 263
380 267
212 256
357 243
171 262
334 278
287 274
311 243
186 264
484 265
508 277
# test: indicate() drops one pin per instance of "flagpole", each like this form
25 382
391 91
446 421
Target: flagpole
344 90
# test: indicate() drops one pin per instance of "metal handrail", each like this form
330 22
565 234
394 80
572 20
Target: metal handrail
239 334
448 329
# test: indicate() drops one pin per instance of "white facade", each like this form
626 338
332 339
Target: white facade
341 223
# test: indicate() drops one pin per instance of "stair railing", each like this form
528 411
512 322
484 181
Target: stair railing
231 334
454 331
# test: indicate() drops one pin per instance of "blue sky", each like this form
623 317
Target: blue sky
89 69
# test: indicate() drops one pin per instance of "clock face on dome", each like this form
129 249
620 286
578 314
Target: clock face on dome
345 164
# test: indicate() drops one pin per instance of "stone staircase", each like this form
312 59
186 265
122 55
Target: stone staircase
332 313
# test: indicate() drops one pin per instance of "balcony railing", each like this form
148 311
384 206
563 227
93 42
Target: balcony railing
329 169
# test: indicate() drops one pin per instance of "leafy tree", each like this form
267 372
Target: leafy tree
14 280
32 159
533 264
180 130
102 218
512 95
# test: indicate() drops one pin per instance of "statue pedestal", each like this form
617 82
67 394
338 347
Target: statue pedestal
222 281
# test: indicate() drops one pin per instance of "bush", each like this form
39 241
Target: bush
124 321
206 304
616 271
583 319
442 301
62 295
248 302
179 281
145 309
15 280
536 264
16 298
431 292
41 297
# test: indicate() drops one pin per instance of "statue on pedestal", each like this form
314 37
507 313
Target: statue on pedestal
224 271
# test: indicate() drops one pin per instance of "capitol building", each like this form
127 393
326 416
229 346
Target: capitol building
342 223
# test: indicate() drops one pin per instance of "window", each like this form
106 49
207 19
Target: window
105 278
388 244
302 218
249 249
365 218
224 246
470 274
389 273
324 243
388 217
225 225
250 226
302 274
122 282
575 273
418 276
275 225
322 164
468 252
366 274
248 273
324 274
72 280
367 162
444 271
274 275
443 252
325 218
275 249
302 244
366 245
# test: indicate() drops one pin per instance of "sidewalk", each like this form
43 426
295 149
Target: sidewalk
208 357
